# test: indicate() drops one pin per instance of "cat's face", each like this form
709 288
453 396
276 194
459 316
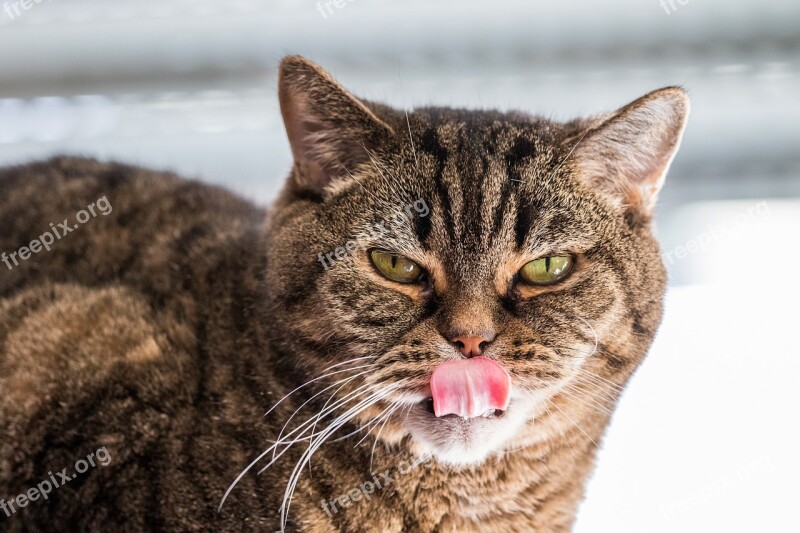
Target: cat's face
403 242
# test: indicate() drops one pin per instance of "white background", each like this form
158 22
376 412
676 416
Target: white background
706 437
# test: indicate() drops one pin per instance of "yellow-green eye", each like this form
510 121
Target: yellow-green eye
547 270
396 267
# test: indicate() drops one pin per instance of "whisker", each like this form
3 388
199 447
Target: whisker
599 397
587 374
373 422
344 382
317 379
569 154
560 432
391 184
312 421
325 405
334 426
303 427
310 438
594 332
349 361
378 436
411 138
586 401
367 191
597 388
574 423
376 420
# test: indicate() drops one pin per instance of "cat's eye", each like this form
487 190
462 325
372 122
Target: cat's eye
547 270
396 267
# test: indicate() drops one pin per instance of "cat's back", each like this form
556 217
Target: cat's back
90 222
103 349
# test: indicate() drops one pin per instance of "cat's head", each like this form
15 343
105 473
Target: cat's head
515 249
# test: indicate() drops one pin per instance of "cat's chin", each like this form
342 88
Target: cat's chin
460 442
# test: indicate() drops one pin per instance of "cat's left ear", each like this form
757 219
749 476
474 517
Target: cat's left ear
331 132
627 154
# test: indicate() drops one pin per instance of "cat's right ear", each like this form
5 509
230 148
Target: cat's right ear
331 132
626 155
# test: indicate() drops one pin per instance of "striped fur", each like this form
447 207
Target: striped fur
166 329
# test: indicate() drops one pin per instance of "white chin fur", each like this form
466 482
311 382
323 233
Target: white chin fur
460 457
457 442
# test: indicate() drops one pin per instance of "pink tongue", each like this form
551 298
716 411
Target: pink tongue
469 387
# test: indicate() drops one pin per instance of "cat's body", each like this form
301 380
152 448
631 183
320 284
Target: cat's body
163 331
101 349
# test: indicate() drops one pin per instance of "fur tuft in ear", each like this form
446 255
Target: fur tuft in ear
330 130
627 154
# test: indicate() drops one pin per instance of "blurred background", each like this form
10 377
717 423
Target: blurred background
706 436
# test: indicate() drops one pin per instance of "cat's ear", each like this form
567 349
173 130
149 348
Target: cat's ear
331 132
626 155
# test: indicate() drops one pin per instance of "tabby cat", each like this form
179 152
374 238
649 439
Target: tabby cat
437 314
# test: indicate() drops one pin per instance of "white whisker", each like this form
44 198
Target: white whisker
594 332
586 374
574 423
312 421
411 138
303 427
378 436
343 382
586 401
316 379
334 426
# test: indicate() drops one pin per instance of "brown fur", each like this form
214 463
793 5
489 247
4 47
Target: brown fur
166 329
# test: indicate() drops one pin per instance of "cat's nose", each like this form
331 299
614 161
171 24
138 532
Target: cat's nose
473 345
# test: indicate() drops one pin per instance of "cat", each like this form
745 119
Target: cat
437 315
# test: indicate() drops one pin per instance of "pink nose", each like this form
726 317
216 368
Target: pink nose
471 346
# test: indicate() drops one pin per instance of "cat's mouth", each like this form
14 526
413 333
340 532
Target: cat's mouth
462 439
464 415
427 405
470 388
